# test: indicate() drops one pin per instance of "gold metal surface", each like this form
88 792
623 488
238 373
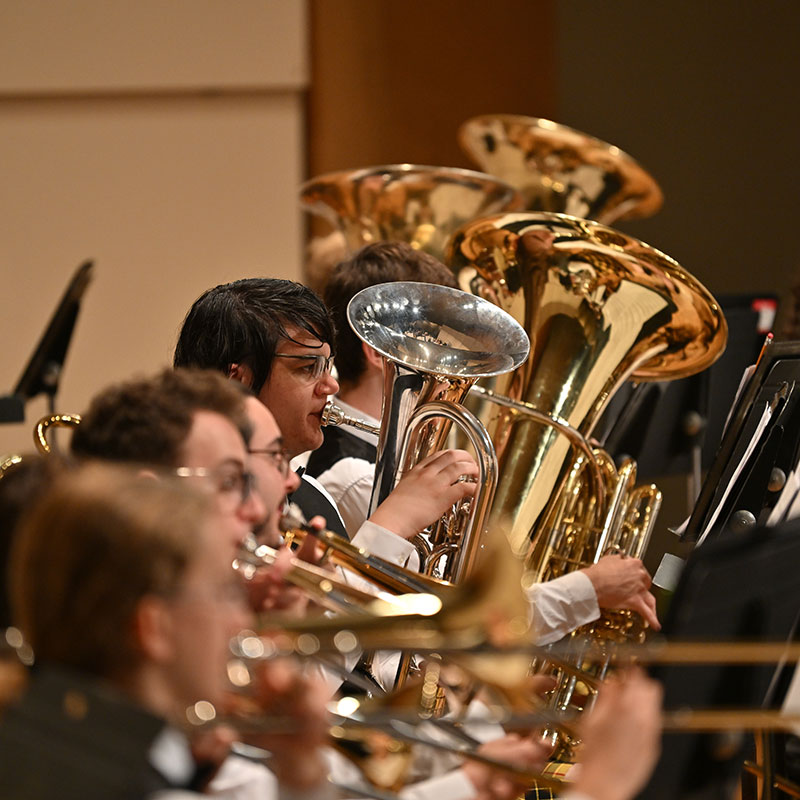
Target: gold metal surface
412 203
53 421
559 169
599 307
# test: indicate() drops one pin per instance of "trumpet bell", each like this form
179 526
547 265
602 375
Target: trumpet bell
412 203
559 169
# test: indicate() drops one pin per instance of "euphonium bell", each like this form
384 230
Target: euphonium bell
559 169
600 307
436 342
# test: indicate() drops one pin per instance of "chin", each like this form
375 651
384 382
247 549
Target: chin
314 440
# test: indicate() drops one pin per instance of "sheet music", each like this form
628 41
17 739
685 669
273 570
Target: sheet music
766 415
743 381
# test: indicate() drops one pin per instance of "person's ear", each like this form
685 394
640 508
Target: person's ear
241 373
154 629
373 357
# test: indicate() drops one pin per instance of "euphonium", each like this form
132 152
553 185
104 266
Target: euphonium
560 169
436 342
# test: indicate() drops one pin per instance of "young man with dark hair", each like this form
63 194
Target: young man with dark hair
344 465
275 337
295 357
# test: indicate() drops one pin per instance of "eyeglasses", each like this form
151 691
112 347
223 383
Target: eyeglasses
279 456
315 369
231 481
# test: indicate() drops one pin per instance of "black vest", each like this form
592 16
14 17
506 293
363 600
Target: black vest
339 444
313 502
71 737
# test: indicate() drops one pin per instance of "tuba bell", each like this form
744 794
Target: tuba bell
600 307
411 203
558 169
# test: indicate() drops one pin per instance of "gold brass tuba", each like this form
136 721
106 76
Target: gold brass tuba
559 169
411 203
600 307
436 342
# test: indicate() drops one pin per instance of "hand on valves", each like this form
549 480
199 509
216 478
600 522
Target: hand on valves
426 491
622 582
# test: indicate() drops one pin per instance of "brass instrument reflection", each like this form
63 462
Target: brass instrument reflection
559 169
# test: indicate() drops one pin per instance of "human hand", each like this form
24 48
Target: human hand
269 589
622 582
525 753
210 747
297 702
621 738
426 491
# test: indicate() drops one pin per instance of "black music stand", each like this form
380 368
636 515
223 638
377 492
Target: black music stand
674 427
749 497
43 371
744 588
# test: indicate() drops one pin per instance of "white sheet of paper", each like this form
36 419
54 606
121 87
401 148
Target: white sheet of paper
766 414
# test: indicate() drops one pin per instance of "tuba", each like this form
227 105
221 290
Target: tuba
418 205
435 342
558 169
600 307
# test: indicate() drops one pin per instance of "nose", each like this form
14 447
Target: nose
252 509
291 482
327 384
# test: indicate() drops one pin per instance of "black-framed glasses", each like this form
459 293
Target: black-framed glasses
279 456
317 365
229 480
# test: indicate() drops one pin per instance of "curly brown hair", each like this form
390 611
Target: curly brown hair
147 420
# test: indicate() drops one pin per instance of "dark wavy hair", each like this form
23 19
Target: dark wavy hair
243 322
381 262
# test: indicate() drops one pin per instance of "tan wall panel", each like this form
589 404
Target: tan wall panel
83 45
169 196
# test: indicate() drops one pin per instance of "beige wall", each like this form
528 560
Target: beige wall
164 140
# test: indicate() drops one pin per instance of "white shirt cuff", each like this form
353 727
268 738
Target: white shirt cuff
453 785
382 542
560 606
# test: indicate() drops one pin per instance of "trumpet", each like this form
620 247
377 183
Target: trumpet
383 574
324 587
